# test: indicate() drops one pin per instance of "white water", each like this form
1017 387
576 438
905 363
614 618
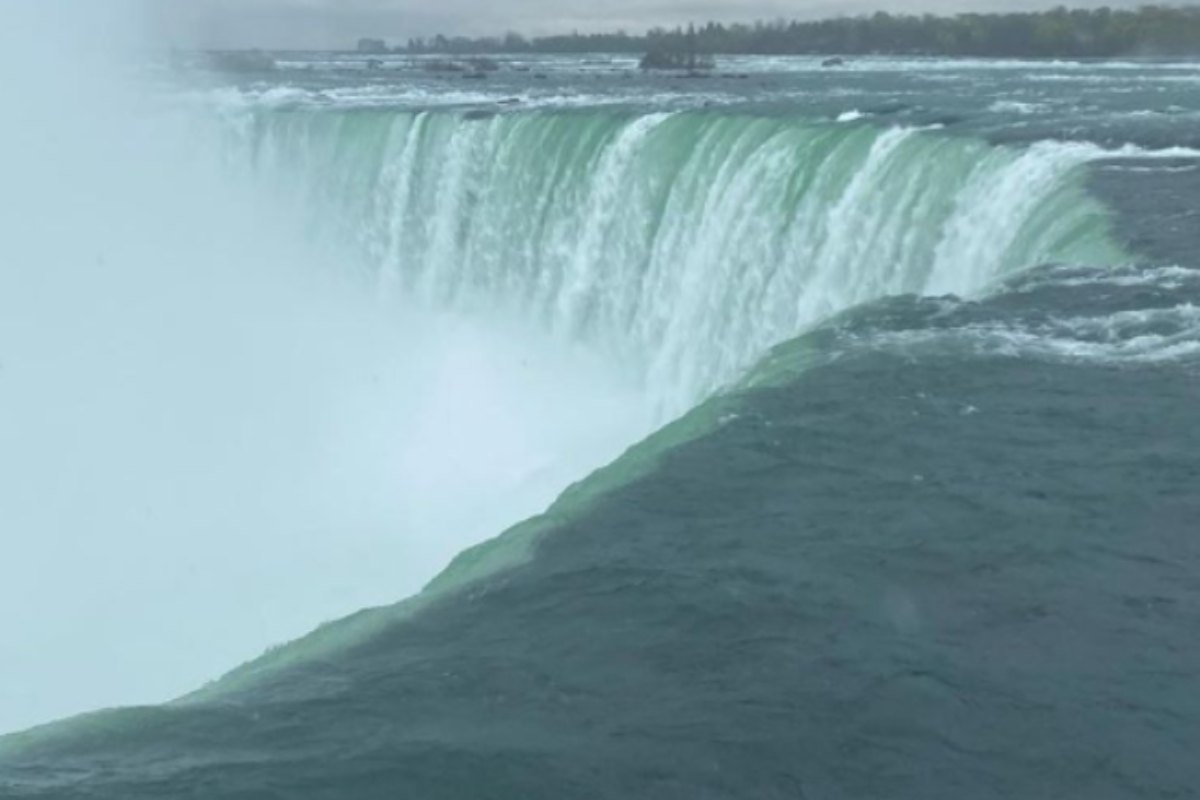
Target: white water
211 439
684 244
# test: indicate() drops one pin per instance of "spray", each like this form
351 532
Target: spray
214 437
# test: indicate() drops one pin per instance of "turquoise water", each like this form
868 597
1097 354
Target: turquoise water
685 243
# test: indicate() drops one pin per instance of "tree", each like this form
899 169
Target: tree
1058 33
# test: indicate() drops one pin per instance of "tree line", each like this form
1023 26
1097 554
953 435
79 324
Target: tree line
1059 33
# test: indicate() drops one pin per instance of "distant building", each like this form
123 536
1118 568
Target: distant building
372 46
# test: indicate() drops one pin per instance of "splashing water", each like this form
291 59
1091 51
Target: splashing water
683 243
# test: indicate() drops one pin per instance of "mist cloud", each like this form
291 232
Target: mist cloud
213 435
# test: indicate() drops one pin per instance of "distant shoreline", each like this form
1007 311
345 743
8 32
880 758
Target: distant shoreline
350 53
1104 34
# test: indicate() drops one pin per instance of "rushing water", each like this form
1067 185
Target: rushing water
686 243
966 282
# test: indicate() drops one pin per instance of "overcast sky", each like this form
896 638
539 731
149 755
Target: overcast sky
339 23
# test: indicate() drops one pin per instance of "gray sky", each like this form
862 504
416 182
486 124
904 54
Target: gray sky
339 23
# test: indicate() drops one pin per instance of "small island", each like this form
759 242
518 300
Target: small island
683 56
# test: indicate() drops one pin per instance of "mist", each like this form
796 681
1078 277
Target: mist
213 435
